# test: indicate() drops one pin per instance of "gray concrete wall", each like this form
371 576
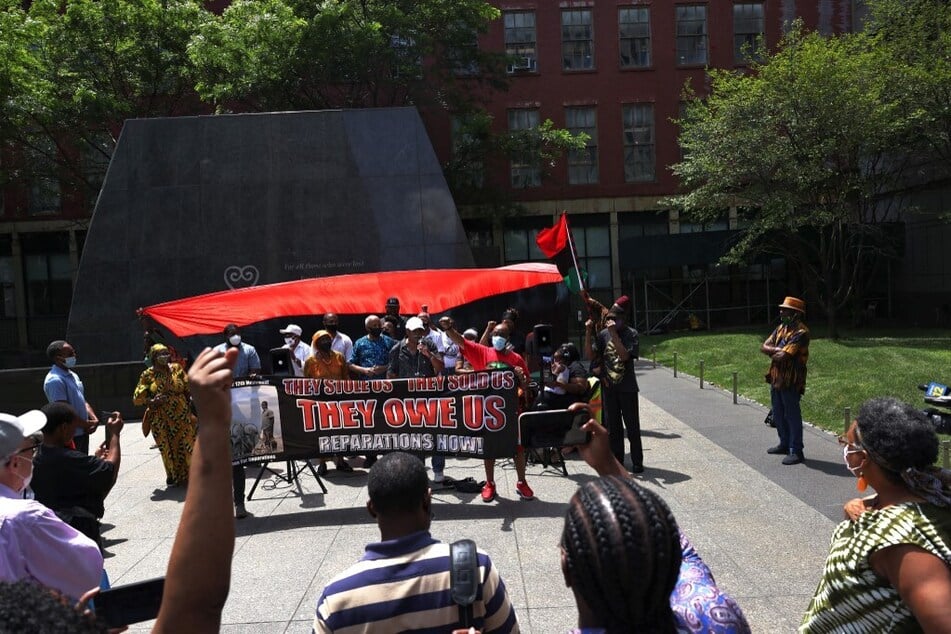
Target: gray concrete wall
194 205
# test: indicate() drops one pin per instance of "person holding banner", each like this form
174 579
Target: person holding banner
327 363
485 357
416 356
247 363
371 355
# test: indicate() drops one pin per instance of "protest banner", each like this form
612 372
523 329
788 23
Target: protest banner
283 418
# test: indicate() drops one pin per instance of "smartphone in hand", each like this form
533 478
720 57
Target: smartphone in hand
131 603
554 428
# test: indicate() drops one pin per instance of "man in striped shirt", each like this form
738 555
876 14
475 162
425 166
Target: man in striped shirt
402 582
788 350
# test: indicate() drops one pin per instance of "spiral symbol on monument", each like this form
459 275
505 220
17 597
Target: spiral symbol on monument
241 276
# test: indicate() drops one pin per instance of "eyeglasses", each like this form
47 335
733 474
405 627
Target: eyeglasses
843 440
33 449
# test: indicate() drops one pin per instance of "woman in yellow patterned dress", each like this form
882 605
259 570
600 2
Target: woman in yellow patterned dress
163 388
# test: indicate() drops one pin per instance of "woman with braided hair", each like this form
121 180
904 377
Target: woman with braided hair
621 557
629 566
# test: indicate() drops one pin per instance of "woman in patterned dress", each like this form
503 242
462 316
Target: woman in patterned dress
889 564
163 388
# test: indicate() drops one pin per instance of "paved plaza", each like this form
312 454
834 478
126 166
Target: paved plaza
763 528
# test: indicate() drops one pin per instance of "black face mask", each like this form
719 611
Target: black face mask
331 328
324 346
374 332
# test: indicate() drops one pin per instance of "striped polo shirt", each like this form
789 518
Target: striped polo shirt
403 584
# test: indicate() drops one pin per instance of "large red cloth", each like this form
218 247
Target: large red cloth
361 293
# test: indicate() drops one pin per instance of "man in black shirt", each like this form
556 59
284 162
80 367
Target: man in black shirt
614 350
71 483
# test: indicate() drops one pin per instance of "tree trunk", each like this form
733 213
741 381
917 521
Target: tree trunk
831 321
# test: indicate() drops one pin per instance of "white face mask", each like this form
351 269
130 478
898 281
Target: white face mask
845 456
234 340
499 343
289 341
26 481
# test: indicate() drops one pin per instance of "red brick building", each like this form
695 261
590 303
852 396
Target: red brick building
617 72
613 70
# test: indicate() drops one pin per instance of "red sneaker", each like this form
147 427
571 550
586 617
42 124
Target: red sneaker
488 491
524 491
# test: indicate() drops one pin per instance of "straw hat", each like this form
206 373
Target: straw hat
794 303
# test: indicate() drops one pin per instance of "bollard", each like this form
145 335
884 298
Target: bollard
945 457
675 365
734 388
701 374
654 355
848 419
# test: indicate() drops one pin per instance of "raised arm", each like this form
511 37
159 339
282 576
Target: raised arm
199 569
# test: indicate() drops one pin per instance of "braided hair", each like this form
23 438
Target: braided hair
622 554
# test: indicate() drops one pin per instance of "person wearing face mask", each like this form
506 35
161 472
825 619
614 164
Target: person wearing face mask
299 350
370 357
788 350
613 349
341 343
163 390
483 357
248 363
63 384
326 363
35 544
73 484
889 563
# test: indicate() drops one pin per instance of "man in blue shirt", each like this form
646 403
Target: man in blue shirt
63 385
370 358
247 364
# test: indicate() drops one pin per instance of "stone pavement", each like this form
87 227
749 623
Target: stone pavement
763 528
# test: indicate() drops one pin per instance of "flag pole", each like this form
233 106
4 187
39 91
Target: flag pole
574 257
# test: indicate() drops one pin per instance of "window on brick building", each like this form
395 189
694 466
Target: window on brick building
691 35
520 40
747 29
634 37
466 147
526 170
638 126
583 164
591 237
577 40
48 273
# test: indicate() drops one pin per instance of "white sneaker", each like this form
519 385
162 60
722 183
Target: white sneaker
438 477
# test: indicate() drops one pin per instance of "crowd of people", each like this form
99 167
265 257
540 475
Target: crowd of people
627 562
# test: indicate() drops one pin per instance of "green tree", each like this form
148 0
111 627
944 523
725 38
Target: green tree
810 142
916 37
300 54
73 72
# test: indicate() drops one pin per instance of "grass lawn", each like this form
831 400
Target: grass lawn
842 373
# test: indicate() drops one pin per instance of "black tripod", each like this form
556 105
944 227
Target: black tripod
291 474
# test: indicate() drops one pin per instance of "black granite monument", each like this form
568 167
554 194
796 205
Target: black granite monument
193 205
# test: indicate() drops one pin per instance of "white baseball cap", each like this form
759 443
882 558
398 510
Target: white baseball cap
292 329
414 323
13 429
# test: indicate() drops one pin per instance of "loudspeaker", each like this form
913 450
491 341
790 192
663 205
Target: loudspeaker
281 362
543 345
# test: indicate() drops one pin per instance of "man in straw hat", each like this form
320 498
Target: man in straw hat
788 349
